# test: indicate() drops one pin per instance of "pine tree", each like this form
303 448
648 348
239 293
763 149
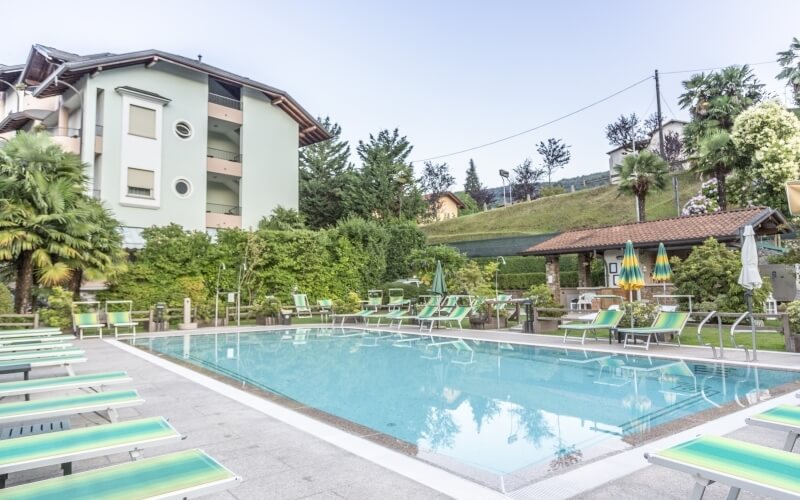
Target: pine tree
473 187
325 171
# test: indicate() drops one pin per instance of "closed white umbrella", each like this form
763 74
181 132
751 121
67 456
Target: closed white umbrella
749 277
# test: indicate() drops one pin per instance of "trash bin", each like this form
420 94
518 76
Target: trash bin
528 324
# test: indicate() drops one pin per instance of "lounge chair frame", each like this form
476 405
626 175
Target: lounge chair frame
121 319
679 318
604 320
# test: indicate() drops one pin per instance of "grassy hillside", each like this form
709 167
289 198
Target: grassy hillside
587 208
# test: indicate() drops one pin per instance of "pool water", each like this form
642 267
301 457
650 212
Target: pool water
495 407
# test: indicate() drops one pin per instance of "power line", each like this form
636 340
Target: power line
562 117
698 70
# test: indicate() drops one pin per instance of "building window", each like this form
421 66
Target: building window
183 188
140 183
142 122
183 130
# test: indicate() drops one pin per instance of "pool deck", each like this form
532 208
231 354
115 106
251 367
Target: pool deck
282 453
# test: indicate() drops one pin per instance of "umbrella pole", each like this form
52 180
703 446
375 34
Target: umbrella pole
748 299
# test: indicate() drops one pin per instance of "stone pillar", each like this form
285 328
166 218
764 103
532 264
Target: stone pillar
187 316
552 270
584 270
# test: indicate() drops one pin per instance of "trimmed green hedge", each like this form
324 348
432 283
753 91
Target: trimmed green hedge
517 264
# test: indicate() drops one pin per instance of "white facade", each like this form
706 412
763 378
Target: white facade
617 155
163 145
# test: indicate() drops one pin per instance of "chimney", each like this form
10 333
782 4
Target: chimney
199 57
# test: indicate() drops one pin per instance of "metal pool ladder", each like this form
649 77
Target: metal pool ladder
709 344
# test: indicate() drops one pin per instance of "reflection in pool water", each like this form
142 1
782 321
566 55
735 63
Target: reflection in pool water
492 406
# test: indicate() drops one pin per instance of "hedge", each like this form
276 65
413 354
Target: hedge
523 281
516 264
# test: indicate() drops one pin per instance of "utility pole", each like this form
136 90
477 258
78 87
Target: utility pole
661 142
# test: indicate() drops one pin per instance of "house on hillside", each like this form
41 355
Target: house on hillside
679 235
446 207
167 139
616 155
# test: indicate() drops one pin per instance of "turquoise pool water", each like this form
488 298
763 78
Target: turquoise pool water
498 408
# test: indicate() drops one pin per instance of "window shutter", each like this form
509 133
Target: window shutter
142 179
142 122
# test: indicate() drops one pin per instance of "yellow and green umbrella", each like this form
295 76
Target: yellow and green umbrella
630 276
662 272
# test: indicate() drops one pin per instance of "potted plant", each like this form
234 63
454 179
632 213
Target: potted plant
267 311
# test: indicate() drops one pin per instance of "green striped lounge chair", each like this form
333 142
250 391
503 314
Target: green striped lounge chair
362 314
665 322
184 474
49 384
29 332
457 315
374 303
301 307
423 314
325 308
448 304
604 320
737 464
62 448
39 409
391 315
87 321
121 319
36 346
784 418
57 359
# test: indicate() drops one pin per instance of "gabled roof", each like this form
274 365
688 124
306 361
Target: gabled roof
650 139
10 74
49 70
448 194
677 231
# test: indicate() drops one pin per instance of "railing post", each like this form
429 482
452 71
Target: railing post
36 320
535 319
789 340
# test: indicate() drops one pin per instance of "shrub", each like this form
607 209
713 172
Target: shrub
403 238
551 191
643 313
6 300
543 297
409 291
471 279
520 281
349 304
58 312
793 310
710 273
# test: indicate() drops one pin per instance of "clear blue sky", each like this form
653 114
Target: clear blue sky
449 74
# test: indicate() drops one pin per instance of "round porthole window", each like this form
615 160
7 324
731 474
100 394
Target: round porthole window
183 188
183 130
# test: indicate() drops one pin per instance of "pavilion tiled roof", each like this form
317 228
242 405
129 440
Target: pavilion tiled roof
724 226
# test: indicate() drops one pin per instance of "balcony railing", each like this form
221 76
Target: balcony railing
224 101
63 132
216 208
224 155
98 131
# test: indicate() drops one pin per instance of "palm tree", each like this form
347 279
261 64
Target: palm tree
41 191
714 100
790 63
717 155
638 174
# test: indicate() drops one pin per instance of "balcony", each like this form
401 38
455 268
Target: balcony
98 139
224 108
68 138
224 162
223 216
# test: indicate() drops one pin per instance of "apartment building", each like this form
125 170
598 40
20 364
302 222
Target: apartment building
166 139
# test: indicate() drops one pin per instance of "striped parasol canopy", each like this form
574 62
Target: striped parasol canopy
630 276
662 272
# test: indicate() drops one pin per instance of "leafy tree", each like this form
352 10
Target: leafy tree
526 180
767 137
472 185
41 188
423 260
470 206
283 219
6 300
674 153
710 273
325 172
790 68
555 154
436 181
639 174
714 100
629 131
403 238
385 187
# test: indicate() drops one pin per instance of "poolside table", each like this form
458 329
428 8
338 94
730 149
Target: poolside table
25 369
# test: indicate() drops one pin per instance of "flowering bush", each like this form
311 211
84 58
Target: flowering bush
705 202
769 136
793 309
643 313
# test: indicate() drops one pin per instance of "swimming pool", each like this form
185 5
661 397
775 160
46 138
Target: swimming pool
498 408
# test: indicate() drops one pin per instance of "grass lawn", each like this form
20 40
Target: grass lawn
588 208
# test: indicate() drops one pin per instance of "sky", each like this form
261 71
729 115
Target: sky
450 75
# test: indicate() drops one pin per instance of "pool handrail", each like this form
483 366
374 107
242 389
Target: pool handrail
709 344
733 337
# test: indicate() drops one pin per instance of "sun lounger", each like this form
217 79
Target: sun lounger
604 320
362 314
62 448
34 332
185 474
47 353
457 315
301 307
84 321
665 322
424 313
69 405
740 465
121 319
391 315
325 308
52 339
37 385
39 346
26 365
783 418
